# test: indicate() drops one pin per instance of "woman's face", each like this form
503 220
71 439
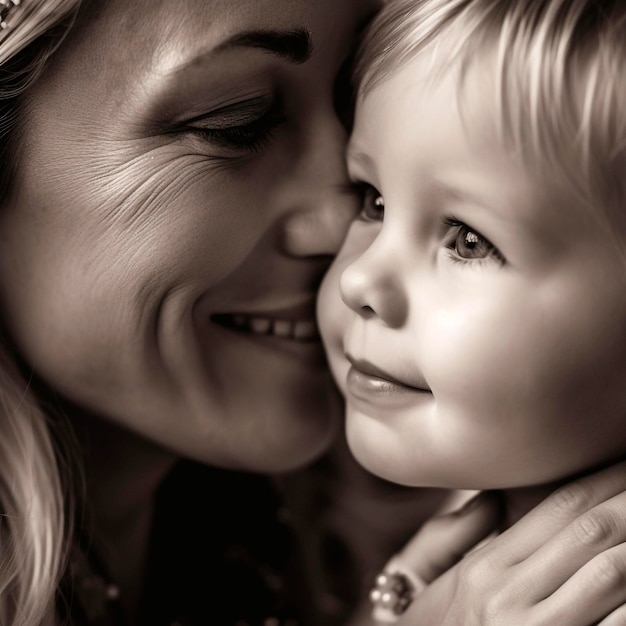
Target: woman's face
179 192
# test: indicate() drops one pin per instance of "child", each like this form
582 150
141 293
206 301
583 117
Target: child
475 318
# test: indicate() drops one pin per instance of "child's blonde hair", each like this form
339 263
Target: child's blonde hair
560 78
35 498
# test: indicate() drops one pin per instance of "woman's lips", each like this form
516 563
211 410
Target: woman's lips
370 384
295 322
296 329
274 330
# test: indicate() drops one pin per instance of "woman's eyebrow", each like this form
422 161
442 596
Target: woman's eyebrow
294 45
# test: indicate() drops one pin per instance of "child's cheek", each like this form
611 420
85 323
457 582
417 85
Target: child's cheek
469 354
333 314
522 374
483 357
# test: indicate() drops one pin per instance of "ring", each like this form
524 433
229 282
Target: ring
395 590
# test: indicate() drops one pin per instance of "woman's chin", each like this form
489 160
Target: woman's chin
284 449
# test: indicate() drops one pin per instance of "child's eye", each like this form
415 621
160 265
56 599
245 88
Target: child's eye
469 245
372 202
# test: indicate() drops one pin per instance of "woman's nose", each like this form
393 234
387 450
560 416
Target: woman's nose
321 203
372 287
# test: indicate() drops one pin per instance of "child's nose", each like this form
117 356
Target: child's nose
372 288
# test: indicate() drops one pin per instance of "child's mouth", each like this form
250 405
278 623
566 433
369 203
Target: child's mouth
369 383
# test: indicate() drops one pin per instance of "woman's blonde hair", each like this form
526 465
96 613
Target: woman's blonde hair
35 520
560 78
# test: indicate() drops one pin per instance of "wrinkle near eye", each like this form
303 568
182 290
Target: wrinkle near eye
135 195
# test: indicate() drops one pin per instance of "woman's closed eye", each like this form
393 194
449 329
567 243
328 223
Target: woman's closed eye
466 245
244 127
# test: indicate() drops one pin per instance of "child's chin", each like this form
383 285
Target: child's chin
377 456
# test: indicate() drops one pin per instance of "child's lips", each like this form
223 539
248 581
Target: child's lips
373 384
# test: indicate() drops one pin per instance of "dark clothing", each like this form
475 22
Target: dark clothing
223 553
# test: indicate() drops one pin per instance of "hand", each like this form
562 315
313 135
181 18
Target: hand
563 563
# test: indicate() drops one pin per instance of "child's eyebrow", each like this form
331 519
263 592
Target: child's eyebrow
522 214
455 192
357 156
458 193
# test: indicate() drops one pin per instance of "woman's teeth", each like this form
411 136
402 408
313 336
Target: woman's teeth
301 330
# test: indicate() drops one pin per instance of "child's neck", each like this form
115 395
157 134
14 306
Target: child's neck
518 501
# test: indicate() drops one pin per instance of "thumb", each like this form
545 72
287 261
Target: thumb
444 539
440 543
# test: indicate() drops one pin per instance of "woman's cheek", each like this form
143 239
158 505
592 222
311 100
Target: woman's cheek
332 318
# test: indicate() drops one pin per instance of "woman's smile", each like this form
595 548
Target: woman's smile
207 209
299 330
294 323
290 331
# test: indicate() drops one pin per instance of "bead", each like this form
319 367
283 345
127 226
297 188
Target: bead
375 595
393 594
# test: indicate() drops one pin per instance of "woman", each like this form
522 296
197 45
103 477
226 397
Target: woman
165 241
173 190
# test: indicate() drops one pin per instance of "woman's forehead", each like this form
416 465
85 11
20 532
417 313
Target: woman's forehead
118 38
193 20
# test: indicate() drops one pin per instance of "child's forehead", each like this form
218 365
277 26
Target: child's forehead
455 98
540 130
446 122
470 82
557 79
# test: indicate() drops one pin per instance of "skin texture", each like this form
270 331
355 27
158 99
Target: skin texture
129 227
497 298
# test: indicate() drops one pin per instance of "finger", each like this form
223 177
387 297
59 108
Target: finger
559 509
439 544
591 593
616 618
579 542
445 539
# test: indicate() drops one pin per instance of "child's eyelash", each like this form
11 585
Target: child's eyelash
371 202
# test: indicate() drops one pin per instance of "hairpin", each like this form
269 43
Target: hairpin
6 6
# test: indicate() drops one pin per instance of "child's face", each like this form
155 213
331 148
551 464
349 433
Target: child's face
477 325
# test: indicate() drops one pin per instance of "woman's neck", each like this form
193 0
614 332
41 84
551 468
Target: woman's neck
122 474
